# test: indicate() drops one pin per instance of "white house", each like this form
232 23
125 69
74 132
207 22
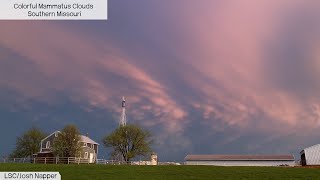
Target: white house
89 148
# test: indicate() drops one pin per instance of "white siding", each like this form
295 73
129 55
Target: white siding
241 163
313 155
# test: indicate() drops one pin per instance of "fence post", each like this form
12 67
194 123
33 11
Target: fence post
45 160
34 160
56 160
24 160
68 160
14 160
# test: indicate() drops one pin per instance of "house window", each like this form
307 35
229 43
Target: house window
48 145
92 146
86 155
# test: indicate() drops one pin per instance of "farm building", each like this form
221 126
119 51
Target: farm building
240 160
310 156
89 148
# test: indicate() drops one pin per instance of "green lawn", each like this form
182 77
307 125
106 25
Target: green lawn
168 172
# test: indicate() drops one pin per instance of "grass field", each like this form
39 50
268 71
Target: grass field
169 172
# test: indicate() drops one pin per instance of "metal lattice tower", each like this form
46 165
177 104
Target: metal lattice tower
123 118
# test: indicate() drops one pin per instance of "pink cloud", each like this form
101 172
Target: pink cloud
228 46
221 45
70 62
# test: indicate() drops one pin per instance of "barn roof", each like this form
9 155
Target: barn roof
284 157
314 146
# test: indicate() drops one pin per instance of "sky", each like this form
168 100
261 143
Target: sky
205 77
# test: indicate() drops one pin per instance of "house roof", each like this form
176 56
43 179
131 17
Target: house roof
50 135
284 157
83 138
86 139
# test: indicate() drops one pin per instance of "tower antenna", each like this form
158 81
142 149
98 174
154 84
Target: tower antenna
123 118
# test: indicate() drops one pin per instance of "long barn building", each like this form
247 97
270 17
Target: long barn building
240 160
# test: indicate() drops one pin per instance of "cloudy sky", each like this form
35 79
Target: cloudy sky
211 76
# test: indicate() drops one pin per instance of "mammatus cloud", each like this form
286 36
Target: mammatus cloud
89 71
243 71
233 48
252 65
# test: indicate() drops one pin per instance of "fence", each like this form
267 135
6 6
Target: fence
74 160
15 160
47 160
109 162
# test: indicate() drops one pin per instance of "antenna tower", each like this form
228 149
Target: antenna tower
123 118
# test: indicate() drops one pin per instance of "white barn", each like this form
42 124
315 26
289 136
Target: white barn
310 156
240 160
